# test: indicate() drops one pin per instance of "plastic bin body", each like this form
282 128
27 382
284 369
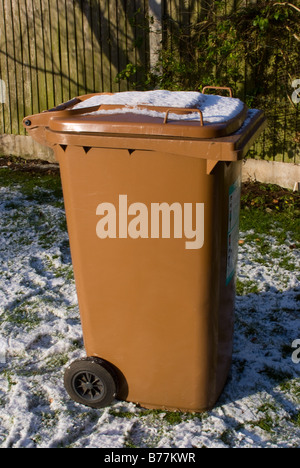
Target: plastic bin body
156 301
160 313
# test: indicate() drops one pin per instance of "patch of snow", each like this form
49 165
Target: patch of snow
214 108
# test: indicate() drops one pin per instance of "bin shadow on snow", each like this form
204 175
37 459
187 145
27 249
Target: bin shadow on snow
265 328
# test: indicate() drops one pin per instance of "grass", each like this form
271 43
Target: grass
269 223
170 417
296 419
269 209
23 315
34 186
246 287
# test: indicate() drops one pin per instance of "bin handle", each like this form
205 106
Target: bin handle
173 110
226 88
184 111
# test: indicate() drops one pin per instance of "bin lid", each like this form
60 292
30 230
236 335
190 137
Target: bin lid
156 113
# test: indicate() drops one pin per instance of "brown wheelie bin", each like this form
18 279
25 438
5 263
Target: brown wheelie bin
152 204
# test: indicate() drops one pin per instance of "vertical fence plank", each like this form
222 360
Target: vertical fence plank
64 50
142 38
48 55
31 41
106 46
5 109
96 45
78 23
26 62
2 93
87 21
39 55
18 59
55 52
131 32
12 126
114 44
122 42
71 48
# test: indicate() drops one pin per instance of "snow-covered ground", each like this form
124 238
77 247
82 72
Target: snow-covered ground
40 333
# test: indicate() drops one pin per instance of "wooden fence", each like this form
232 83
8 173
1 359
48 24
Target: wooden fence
53 50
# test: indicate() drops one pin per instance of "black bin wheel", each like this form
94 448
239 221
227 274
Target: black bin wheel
90 382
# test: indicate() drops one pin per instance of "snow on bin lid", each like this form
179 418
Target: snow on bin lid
215 109
159 113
